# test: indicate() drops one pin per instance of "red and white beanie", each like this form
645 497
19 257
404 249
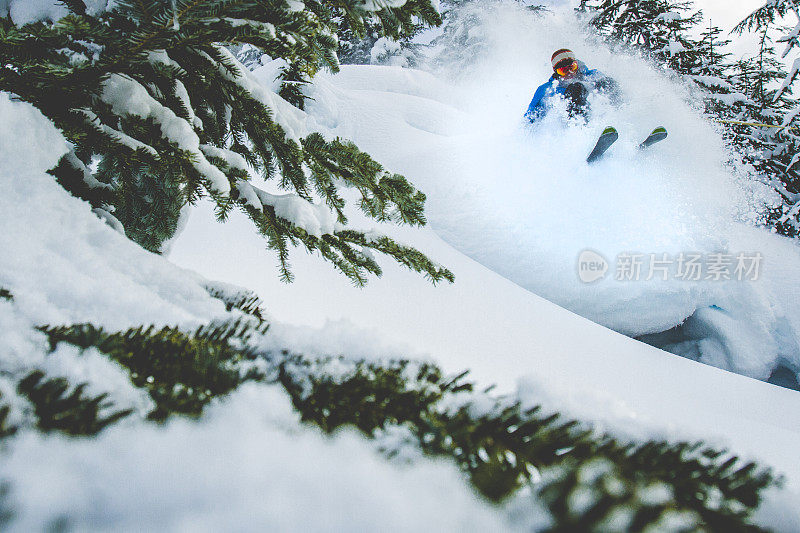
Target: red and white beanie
561 55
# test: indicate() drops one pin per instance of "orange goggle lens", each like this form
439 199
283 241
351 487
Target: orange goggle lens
569 69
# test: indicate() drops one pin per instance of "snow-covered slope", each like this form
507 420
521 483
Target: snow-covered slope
509 209
521 200
522 204
63 265
525 204
509 336
539 206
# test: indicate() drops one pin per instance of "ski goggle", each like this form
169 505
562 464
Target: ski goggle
571 68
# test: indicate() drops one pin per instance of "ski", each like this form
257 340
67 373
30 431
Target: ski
607 138
658 135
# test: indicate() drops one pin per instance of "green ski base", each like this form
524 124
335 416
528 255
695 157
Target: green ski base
658 135
610 136
607 138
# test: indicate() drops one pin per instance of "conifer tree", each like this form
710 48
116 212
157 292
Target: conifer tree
160 113
657 27
755 91
772 149
776 150
671 39
711 72
464 41
766 17
663 30
369 45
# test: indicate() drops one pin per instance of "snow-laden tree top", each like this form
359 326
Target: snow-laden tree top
150 97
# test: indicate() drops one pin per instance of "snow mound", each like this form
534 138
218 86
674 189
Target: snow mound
84 270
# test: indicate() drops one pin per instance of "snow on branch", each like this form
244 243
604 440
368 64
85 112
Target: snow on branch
88 177
231 158
378 5
788 80
117 135
790 39
285 114
105 215
128 97
669 16
712 81
314 219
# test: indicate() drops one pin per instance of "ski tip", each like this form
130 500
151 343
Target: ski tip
608 137
658 135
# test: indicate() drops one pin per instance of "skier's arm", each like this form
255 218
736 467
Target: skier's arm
536 109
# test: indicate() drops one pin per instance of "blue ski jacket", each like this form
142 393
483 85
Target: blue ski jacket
556 86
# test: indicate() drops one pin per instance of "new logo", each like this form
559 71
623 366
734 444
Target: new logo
591 266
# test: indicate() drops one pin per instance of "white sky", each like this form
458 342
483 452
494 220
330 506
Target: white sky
728 13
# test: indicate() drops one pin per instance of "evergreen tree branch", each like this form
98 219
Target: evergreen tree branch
148 94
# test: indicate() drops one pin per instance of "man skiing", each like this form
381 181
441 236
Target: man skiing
574 81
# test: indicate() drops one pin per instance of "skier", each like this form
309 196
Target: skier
574 81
